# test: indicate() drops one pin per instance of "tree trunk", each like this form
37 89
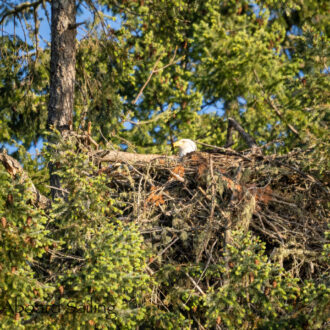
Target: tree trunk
62 64
62 73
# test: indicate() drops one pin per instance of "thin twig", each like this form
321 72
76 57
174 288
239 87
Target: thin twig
163 251
154 70
20 8
60 189
195 284
273 105
225 151
146 83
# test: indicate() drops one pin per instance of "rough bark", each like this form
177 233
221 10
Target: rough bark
62 73
62 64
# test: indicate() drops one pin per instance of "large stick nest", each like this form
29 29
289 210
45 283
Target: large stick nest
186 208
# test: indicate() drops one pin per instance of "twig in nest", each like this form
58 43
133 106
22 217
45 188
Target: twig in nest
177 177
213 190
161 253
224 151
195 284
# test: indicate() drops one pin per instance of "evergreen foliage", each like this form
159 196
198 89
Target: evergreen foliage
259 294
99 258
87 261
78 262
24 240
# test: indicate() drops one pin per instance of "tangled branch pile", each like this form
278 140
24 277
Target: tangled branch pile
187 208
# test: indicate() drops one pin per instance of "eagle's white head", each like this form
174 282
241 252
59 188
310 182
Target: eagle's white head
185 146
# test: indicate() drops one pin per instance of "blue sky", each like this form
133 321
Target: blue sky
12 27
84 15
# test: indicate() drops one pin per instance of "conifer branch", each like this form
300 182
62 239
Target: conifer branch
274 107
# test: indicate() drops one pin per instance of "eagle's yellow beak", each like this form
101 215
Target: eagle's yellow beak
177 144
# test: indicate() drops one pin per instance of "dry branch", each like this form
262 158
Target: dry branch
14 168
233 124
211 195
114 156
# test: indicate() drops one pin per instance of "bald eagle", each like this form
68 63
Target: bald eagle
186 146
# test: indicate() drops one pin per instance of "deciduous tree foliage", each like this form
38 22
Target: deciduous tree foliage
148 72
